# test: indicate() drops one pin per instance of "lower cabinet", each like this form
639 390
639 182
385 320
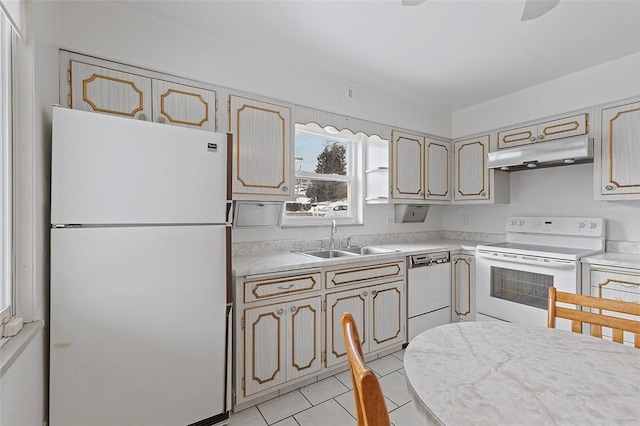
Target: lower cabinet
463 286
288 325
612 283
282 342
379 312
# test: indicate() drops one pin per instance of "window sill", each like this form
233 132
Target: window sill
12 347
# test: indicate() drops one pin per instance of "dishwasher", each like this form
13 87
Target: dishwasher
428 292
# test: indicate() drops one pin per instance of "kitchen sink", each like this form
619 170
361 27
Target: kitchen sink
368 250
347 252
328 254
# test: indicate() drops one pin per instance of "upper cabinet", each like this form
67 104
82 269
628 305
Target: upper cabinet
111 91
565 127
420 169
473 181
617 175
262 149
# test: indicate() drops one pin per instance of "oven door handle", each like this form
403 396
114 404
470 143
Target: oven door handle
556 264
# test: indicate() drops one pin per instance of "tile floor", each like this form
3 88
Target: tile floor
330 401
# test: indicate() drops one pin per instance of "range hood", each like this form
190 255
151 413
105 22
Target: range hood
410 213
561 152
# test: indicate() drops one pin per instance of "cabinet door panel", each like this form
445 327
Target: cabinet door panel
264 344
355 302
184 105
438 160
387 315
617 286
262 148
304 325
462 282
516 137
408 166
564 128
472 175
620 173
104 90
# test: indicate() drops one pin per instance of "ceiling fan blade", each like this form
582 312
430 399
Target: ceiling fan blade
536 8
412 2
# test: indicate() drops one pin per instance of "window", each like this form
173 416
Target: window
6 290
327 177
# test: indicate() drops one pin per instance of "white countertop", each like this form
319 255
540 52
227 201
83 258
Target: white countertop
282 262
622 260
480 373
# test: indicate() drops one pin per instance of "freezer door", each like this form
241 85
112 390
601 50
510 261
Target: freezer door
111 170
137 325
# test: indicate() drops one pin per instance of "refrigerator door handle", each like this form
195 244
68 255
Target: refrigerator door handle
229 220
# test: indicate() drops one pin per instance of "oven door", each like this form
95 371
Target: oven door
515 288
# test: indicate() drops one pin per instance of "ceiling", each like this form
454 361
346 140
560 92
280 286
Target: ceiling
443 54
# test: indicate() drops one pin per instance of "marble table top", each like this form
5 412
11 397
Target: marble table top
495 373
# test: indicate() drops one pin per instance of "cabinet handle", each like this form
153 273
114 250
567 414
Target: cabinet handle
281 287
161 120
285 188
365 293
142 117
540 137
374 292
294 309
279 312
483 194
532 138
609 187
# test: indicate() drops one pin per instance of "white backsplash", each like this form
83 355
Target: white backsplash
632 247
254 248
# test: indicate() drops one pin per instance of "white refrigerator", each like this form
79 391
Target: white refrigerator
139 273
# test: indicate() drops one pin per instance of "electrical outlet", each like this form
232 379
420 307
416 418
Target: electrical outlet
390 219
464 219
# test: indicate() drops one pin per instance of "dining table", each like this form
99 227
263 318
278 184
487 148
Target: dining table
499 373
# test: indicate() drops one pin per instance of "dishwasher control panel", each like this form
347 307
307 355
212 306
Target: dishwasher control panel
428 259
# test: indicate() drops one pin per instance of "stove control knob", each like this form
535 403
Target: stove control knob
521 223
593 225
581 225
513 222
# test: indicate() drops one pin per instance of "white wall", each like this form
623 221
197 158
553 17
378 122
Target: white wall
562 191
112 31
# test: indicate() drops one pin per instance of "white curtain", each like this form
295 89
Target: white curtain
16 12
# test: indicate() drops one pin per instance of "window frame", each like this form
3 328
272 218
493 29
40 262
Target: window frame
353 177
7 285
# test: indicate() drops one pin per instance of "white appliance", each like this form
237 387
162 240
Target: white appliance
513 278
428 292
139 273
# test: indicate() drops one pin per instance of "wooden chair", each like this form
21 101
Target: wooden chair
371 409
595 319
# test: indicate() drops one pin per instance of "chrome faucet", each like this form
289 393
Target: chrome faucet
334 229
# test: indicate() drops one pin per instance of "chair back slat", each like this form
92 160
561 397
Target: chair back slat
371 408
595 319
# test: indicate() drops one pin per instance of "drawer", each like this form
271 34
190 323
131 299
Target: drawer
364 274
282 285
615 285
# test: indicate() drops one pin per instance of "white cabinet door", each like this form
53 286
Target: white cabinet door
262 149
265 347
183 105
516 137
304 348
438 160
408 166
387 315
355 302
563 128
471 179
463 274
108 91
620 138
